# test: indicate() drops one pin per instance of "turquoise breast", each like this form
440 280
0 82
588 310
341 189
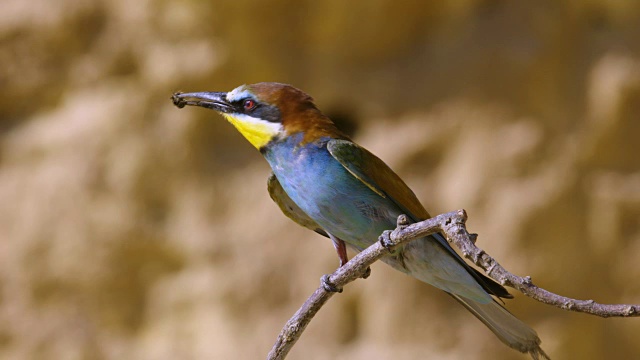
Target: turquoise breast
328 193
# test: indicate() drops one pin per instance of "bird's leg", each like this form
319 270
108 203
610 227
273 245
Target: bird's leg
341 249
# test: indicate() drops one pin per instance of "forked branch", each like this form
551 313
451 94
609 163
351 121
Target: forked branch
452 225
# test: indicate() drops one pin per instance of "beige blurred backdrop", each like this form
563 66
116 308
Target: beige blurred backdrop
130 229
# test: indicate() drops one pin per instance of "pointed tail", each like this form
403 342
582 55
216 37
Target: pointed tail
507 327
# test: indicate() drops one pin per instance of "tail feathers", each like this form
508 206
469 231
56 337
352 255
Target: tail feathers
507 327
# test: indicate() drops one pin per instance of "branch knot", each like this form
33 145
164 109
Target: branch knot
403 221
630 310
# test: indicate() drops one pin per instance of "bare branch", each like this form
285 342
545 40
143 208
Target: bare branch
349 272
452 225
465 242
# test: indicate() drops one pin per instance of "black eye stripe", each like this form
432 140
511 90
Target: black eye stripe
262 111
266 112
237 105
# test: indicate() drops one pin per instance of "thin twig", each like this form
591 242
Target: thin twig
462 240
452 225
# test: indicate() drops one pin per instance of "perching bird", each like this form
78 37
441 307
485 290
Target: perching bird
324 181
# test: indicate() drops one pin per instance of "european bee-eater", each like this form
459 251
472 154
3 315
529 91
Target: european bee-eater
324 181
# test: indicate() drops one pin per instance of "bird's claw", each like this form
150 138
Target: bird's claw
385 240
328 285
366 273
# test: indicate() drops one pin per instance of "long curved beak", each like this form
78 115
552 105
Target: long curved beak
210 100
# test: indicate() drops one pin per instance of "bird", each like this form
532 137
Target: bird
324 181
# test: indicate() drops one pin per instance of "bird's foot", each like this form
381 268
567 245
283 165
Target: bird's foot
385 240
328 285
366 273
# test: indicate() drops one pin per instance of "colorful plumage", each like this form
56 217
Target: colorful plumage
325 182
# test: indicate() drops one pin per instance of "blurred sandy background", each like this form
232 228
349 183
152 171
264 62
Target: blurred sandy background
131 229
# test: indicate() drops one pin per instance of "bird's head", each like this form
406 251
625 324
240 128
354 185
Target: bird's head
265 112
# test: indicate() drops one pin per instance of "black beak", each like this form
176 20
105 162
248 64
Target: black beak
210 100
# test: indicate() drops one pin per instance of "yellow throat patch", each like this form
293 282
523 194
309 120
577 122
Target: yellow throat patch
259 132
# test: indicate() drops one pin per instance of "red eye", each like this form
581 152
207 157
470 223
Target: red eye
249 104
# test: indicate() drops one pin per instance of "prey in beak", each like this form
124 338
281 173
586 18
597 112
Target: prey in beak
211 100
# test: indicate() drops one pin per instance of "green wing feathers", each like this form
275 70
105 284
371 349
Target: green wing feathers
378 176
